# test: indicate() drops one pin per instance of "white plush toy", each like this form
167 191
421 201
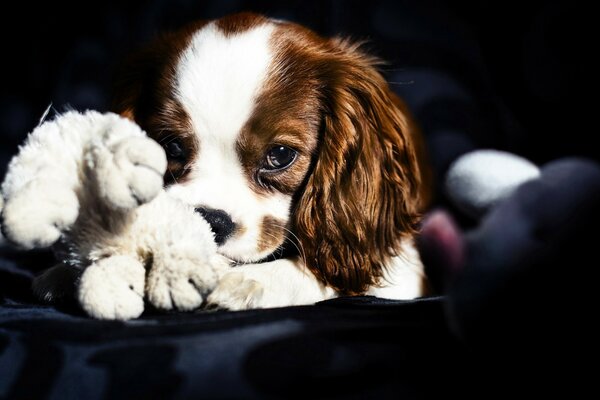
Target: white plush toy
94 183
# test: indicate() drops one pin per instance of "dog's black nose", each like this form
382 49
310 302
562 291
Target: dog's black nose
220 223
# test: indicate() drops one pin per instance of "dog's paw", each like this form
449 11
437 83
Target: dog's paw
37 214
113 288
236 292
128 172
181 283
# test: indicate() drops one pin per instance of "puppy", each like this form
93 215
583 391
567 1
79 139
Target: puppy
294 149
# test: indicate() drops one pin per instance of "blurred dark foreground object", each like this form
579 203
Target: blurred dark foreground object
520 287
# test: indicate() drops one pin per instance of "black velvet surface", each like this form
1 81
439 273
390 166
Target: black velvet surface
336 349
517 320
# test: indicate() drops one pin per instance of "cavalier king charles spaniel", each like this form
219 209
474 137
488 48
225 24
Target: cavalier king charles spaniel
292 147
283 139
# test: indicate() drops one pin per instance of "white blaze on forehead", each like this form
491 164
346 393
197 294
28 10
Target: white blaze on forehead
219 76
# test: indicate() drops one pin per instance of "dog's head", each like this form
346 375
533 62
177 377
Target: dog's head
276 134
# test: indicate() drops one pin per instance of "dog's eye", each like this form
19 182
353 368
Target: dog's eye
279 157
174 150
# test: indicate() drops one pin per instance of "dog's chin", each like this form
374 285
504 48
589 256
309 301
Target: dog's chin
286 249
243 251
236 259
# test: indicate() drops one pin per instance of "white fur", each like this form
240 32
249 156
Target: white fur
217 81
277 283
287 282
403 277
41 186
219 76
113 288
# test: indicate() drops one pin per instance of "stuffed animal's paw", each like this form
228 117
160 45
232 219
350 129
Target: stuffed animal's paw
176 282
113 288
130 171
236 292
37 214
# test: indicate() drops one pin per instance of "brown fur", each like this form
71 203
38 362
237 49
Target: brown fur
237 23
272 232
362 197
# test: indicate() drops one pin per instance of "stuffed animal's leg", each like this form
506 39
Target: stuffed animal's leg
36 215
43 187
39 187
185 266
113 288
180 279
126 167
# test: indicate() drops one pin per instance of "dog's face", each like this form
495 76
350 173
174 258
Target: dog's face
275 133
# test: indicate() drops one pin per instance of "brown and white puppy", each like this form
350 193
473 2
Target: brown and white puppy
281 137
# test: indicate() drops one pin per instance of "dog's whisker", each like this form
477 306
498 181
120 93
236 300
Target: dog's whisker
172 175
280 248
297 243
167 139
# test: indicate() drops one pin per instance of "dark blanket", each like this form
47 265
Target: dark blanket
516 318
347 348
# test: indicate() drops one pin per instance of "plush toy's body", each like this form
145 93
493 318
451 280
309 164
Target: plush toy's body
85 179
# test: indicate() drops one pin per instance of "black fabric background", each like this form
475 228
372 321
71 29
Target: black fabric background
510 75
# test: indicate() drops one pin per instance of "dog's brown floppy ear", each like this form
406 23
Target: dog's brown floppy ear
363 195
